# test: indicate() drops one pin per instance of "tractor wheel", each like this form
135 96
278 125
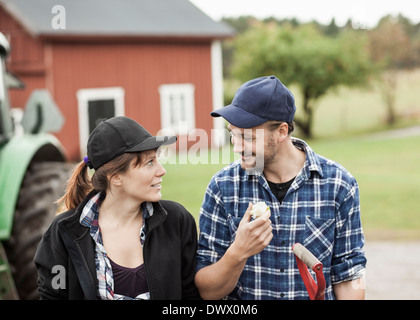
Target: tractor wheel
43 184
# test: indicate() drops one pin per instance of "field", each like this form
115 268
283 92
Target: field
387 170
347 111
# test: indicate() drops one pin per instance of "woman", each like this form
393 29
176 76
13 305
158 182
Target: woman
118 239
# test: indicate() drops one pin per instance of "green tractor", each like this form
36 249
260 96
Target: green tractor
33 173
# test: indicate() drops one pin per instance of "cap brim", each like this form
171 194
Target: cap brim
152 143
238 117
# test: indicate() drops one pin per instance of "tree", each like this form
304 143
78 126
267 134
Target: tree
391 48
332 30
302 55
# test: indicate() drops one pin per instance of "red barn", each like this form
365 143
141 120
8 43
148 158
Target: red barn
156 61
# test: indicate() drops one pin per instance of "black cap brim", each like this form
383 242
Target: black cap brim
152 143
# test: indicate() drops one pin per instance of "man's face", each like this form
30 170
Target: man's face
257 146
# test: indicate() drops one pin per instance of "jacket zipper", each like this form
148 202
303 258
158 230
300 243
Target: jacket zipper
144 255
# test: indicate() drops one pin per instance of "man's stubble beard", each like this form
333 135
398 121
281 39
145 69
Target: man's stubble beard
267 157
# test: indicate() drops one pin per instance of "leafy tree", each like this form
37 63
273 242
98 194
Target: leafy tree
303 56
392 49
332 30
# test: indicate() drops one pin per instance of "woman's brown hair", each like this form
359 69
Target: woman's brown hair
81 183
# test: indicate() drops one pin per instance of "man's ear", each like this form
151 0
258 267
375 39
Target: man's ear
283 130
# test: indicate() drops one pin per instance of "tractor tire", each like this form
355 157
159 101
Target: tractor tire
43 184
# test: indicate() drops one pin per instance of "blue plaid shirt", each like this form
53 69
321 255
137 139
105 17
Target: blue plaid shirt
320 210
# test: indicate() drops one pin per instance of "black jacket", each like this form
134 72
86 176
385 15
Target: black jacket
169 255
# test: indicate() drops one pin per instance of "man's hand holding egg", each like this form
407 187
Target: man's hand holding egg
252 236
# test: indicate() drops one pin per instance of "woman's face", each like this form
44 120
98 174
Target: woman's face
143 182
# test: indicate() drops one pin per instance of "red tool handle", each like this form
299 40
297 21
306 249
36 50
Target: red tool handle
305 259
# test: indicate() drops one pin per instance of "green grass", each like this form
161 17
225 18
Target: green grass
387 172
187 183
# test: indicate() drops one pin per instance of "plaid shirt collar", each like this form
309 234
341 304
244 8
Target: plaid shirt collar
89 218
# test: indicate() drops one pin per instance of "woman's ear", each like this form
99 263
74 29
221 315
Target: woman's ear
116 180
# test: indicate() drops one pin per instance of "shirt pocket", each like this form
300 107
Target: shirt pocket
319 238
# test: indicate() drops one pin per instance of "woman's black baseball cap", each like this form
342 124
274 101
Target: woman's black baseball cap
118 135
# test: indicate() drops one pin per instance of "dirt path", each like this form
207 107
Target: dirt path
396 133
393 270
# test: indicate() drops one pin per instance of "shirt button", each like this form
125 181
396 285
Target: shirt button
281 270
282 295
283 243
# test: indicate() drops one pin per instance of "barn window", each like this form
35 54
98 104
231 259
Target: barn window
96 105
177 108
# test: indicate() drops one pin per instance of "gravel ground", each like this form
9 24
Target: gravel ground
393 270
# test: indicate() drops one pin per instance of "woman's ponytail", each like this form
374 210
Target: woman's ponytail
78 187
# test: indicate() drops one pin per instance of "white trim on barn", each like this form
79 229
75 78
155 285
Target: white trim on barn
177 108
95 94
219 132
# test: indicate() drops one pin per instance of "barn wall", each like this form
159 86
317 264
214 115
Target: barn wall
139 66
140 69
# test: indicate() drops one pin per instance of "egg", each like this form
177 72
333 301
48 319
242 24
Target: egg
258 209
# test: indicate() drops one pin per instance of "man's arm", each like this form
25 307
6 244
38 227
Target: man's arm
349 260
350 290
219 279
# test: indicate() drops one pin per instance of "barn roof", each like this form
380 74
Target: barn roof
160 18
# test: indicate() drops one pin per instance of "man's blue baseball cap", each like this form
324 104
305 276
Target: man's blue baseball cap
257 101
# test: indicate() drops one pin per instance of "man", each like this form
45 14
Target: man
313 201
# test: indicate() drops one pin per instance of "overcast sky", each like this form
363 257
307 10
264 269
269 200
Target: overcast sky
363 12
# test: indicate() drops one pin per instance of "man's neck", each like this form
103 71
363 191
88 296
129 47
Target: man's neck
288 163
